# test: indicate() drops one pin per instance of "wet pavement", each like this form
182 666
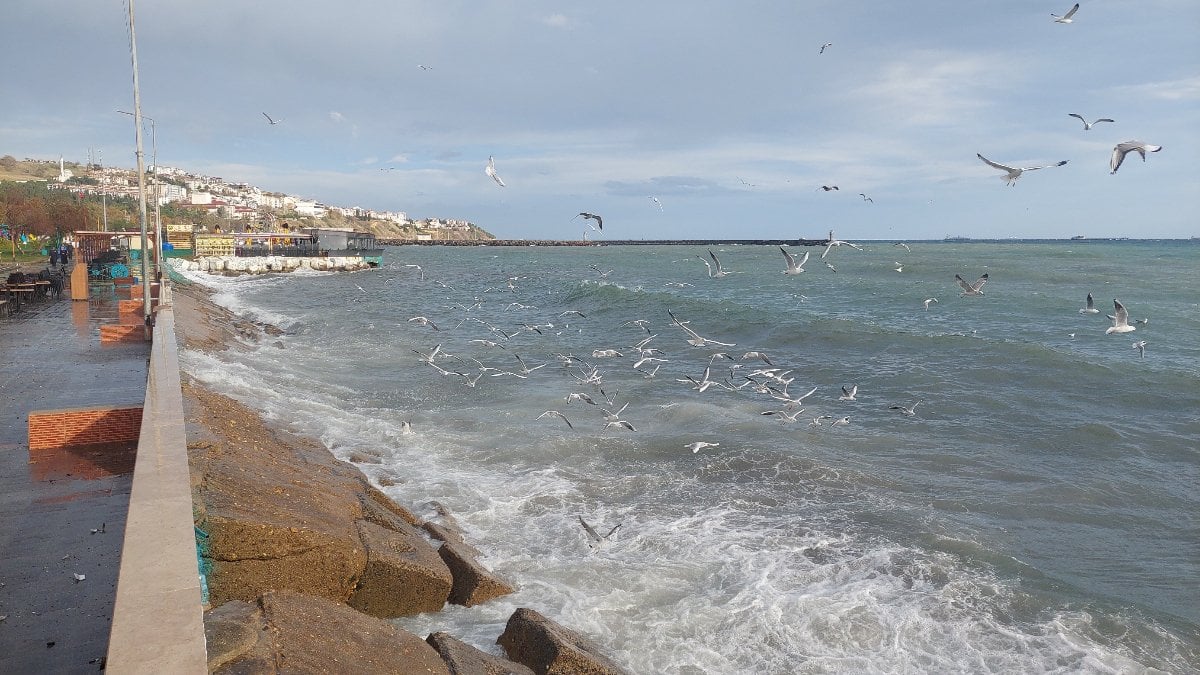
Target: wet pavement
62 512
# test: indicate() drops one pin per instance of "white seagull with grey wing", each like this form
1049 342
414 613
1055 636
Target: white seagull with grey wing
490 170
1013 172
1122 149
1066 18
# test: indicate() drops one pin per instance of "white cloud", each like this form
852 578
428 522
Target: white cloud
935 87
1183 89
557 21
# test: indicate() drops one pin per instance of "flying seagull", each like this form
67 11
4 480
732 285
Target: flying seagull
849 393
555 413
271 121
1140 345
1015 172
700 445
793 267
971 289
1120 319
827 188
1088 125
595 539
719 272
866 198
1125 148
1091 306
656 203
1066 18
929 301
592 216
827 44
905 410
491 171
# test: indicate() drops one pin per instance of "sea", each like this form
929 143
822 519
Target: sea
1039 512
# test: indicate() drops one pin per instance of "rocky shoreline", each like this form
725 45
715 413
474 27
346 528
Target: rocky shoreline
306 559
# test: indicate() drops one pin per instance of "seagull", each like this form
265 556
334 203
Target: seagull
817 421
1088 125
899 266
619 423
555 413
827 44
1140 345
422 321
909 411
842 422
1142 322
1125 148
903 246
849 393
928 301
866 198
593 538
271 121
830 266
700 445
793 267
592 216
1015 172
1066 18
78 577
743 181
757 355
657 203
1120 319
720 271
827 188
837 242
579 397
422 66
1091 306
971 289
490 170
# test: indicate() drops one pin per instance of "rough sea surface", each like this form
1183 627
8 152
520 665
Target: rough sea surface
1039 513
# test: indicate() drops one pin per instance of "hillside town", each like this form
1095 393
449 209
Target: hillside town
212 202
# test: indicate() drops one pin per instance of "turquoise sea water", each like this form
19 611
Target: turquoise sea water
1039 513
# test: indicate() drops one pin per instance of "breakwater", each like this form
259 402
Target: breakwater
607 242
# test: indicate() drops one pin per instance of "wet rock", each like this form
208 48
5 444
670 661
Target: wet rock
403 574
547 647
297 633
463 659
473 583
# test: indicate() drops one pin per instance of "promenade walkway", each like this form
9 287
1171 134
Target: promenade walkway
62 512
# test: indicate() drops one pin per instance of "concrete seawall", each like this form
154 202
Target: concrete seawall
158 622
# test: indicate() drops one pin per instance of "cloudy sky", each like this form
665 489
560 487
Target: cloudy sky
725 112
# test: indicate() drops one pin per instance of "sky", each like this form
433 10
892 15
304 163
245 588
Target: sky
726 113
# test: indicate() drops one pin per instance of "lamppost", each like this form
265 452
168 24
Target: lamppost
141 168
158 238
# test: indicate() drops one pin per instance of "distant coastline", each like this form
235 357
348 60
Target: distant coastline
750 242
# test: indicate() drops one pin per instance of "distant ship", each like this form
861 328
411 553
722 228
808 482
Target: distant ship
949 238
1078 237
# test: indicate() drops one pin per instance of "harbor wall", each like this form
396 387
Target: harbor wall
158 622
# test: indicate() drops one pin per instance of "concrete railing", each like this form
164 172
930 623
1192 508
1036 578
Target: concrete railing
158 620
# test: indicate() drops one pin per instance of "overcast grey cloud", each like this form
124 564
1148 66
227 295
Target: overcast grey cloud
599 106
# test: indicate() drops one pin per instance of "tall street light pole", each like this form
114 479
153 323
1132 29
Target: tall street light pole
141 169
158 238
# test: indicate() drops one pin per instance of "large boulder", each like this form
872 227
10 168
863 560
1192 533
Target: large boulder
463 659
547 647
473 583
286 632
403 574
282 513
